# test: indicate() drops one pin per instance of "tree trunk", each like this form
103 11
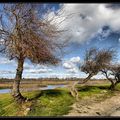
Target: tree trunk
16 85
115 84
112 86
86 79
74 91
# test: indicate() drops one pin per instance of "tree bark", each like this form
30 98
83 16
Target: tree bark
86 79
112 86
115 84
16 85
74 91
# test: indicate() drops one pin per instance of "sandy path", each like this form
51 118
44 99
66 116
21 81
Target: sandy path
90 107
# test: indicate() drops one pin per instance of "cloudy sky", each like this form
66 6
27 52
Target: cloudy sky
87 25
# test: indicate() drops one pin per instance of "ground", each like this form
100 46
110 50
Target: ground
109 106
95 99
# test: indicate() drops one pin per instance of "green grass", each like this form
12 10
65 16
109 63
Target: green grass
55 102
92 90
7 106
52 103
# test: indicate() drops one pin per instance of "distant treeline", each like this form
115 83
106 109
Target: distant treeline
47 79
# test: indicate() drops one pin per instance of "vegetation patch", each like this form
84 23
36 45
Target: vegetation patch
52 103
90 90
55 102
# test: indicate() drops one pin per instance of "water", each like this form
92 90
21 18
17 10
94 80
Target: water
5 91
49 87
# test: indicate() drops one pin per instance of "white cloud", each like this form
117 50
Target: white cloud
99 76
7 72
75 59
38 71
4 60
119 39
68 65
73 70
71 64
85 20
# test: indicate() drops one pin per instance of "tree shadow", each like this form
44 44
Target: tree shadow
103 87
89 88
52 93
85 88
49 93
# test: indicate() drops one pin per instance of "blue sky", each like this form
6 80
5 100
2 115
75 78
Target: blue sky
98 28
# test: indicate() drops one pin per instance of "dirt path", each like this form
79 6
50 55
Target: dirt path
94 107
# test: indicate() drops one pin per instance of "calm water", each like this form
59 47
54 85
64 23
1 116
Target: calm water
42 88
51 87
5 91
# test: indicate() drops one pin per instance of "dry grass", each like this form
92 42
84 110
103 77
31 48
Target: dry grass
42 83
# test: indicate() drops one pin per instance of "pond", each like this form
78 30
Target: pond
48 87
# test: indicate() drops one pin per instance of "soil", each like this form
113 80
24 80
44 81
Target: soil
93 106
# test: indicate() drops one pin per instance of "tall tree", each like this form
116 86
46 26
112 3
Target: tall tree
26 33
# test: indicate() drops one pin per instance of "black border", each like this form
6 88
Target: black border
52 118
60 1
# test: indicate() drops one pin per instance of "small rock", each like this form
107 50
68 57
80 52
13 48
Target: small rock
79 111
118 108
85 111
104 91
26 100
98 113
88 107
27 109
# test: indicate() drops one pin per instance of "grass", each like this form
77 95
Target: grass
55 102
89 91
51 103
7 106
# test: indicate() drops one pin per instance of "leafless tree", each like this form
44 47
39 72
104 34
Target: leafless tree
112 73
26 34
95 61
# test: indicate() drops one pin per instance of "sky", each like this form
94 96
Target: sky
88 25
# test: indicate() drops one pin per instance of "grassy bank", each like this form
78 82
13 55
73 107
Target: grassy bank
55 102
51 103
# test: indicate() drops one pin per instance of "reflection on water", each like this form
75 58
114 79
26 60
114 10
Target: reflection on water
30 89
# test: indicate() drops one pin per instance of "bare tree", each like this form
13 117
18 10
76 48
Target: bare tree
95 61
26 34
112 73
